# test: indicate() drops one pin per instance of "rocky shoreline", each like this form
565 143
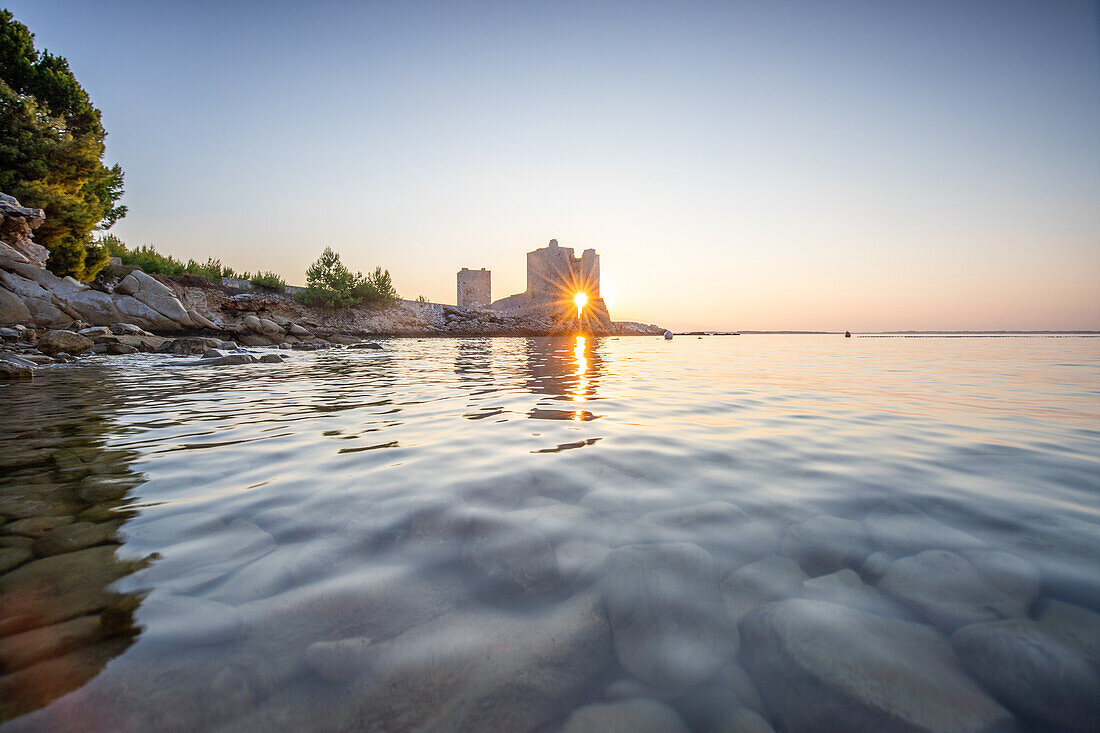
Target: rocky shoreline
126 311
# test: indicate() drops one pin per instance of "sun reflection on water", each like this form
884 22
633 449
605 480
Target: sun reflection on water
581 387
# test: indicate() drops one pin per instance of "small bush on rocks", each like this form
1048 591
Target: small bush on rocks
332 285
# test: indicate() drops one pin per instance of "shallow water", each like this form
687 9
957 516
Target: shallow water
498 533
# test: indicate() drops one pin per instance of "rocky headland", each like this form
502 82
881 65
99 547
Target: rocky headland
44 318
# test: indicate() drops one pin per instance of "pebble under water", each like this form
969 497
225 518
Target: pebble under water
745 533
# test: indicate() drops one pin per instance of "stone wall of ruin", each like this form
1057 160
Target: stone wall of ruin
474 287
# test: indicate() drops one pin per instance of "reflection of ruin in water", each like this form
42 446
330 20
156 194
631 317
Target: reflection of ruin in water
567 369
62 501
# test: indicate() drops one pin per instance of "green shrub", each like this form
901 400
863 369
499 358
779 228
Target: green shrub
268 281
332 285
149 260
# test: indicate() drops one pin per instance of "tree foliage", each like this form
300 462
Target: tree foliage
51 151
329 284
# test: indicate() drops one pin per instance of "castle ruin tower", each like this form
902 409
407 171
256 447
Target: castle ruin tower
474 288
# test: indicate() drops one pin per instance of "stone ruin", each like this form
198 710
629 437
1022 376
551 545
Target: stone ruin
474 288
554 276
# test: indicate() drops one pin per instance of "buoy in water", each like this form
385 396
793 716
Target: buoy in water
668 335
847 334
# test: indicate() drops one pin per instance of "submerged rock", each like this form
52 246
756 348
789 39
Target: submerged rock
1032 672
771 579
23 650
230 360
482 671
820 666
71 537
628 716
903 529
511 559
715 704
1077 626
825 544
13 557
58 588
846 589
671 628
950 592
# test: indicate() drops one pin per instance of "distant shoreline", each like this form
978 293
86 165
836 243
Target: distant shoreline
895 334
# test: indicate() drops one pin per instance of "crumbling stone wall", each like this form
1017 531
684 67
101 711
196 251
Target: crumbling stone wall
474 287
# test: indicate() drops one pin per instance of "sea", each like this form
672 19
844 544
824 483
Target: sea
713 533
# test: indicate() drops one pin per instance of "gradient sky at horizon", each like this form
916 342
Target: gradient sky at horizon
738 165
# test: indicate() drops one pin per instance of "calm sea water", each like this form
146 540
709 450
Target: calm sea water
725 533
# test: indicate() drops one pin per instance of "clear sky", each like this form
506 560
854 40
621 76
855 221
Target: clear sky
744 165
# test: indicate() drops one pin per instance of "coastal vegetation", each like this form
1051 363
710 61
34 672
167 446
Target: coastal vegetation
330 284
152 262
51 152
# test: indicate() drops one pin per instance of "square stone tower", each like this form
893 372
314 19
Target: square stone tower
553 273
474 288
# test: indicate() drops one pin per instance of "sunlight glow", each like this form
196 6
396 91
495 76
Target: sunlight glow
581 300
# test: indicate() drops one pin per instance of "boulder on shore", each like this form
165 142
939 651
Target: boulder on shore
52 342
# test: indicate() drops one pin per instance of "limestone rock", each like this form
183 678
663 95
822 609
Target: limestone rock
825 544
54 341
17 225
36 527
156 295
903 529
22 650
483 671
202 321
1032 672
627 716
58 588
875 566
510 560
127 329
271 359
13 557
771 579
712 703
186 346
1077 626
846 589
230 360
671 628
72 537
950 592
820 666
9 370
12 308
